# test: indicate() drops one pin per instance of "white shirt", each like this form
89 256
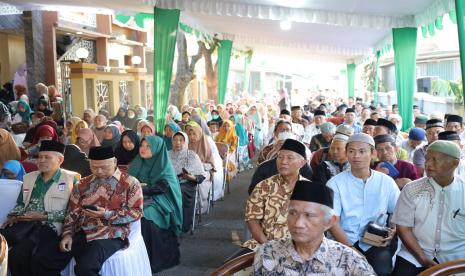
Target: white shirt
410 150
437 216
310 131
298 130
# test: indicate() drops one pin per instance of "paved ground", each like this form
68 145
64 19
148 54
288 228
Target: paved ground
216 238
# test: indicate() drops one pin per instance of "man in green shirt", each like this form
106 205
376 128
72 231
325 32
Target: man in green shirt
34 226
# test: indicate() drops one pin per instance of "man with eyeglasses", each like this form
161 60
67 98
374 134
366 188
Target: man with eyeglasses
101 208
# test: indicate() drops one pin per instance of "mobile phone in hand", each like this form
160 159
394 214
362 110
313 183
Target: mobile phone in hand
90 207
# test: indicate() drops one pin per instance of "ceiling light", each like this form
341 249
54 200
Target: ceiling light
285 25
79 33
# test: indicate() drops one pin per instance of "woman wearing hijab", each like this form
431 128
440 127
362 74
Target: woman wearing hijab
100 122
80 124
206 149
119 125
227 135
122 116
43 132
242 134
111 136
132 119
170 129
88 116
145 128
141 112
190 172
128 147
12 169
87 139
8 148
216 117
256 119
162 221
23 114
202 123
70 125
57 114
44 107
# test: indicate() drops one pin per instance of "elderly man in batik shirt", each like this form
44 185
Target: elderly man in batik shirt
307 251
266 207
34 226
101 209
430 213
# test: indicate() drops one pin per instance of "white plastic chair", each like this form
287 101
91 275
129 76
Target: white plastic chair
133 260
9 191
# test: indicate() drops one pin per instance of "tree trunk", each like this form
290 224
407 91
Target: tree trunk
211 71
184 71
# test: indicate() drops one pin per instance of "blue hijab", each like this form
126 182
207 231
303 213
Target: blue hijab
168 140
15 167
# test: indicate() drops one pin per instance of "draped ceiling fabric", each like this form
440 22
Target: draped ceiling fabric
166 28
405 47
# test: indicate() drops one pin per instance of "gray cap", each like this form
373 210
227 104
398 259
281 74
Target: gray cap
446 147
328 128
341 137
362 137
345 130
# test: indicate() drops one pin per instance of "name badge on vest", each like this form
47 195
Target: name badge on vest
61 187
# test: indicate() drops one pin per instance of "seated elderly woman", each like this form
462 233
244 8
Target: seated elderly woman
162 221
190 172
228 136
206 149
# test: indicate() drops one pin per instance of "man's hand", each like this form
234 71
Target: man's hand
381 168
9 222
66 243
100 213
387 240
32 216
427 263
401 182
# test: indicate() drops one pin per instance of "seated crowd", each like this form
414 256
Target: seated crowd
339 189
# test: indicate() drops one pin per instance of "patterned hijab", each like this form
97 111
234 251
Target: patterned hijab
185 158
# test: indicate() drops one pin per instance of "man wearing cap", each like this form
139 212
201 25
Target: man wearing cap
416 139
101 208
430 213
39 215
298 129
454 123
323 140
307 251
296 114
386 149
350 120
420 121
455 138
360 196
369 127
313 129
433 128
265 211
338 162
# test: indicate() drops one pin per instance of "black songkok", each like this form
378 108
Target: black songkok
305 190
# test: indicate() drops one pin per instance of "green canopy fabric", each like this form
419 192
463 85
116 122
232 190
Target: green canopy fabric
351 79
166 28
405 48
224 56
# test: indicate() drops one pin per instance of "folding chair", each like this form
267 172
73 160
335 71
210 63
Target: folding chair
223 150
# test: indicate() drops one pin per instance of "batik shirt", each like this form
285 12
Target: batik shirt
120 195
279 257
268 204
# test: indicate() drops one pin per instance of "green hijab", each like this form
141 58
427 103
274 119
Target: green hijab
166 209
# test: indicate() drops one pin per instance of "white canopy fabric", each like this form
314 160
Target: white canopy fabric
337 30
